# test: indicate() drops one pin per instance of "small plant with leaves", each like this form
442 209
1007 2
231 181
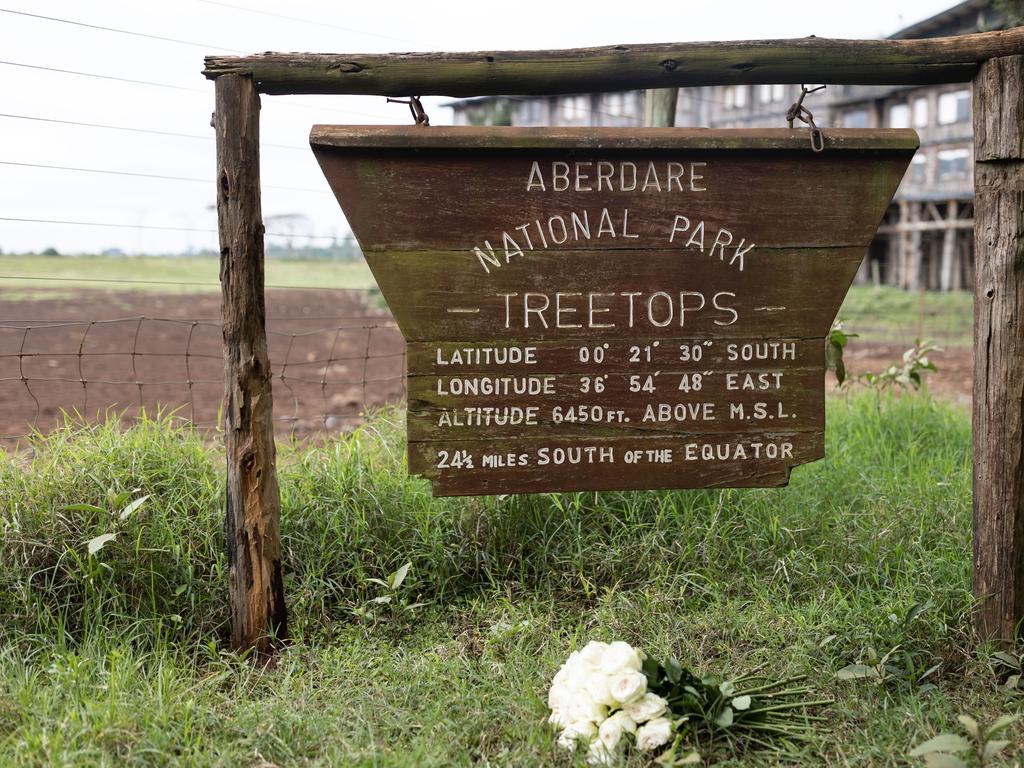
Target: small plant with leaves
897 666
1009 670
395 599
980 747
907 374
120 506
835 343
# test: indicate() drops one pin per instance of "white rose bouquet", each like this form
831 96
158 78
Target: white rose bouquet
610 696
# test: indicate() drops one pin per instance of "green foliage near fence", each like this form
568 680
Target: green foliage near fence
117 657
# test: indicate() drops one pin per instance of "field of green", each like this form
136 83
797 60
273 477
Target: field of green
27 277
881 314
117 657
887 314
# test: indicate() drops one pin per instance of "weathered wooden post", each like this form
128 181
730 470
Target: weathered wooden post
660 107
999 347
253 503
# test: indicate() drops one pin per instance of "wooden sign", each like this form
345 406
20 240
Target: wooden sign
596 309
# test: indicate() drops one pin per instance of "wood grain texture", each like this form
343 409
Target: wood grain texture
586 333
998 397
625 67
997 122
252 524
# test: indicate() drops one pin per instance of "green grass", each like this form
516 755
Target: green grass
49 277
889 314
118 659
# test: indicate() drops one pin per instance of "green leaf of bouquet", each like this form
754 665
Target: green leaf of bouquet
673 670
944 742
726 688
725 718
741 703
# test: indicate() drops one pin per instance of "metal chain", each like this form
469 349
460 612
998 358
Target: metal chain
799 112
419 115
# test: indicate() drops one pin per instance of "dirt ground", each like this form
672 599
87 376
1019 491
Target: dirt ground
334 353
952 380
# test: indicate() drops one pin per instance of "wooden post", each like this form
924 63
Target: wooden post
999 348
253 513
949 249
660 107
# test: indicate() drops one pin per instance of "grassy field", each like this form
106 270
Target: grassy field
891 314
26 277
117 658
877 314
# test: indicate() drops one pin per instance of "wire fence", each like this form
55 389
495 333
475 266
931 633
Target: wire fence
327 368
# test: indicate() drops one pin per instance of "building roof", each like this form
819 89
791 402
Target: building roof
968 16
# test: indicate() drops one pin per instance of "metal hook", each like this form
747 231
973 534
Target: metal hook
419 115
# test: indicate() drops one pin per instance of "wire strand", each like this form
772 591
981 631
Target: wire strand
113 225
131 129
145 35
110 172
314 22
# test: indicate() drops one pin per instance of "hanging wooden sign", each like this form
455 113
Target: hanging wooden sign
597 309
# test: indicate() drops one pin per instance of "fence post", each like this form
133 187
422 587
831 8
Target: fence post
253 502
660 107
998 417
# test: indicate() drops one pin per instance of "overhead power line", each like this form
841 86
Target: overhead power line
130 129
120 31
154 84
113 225
314 22
111 172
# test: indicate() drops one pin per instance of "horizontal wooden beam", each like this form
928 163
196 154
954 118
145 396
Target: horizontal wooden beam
625 67
926 226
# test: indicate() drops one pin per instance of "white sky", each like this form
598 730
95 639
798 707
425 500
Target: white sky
354 27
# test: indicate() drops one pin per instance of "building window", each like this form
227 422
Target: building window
855 118
735 96
766 94
615 104
574 109
529 112
952 164
899 115
919 169
954 107
921 112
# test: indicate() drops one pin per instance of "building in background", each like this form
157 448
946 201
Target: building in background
926 240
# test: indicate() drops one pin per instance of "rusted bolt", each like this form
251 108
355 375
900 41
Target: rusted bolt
669 64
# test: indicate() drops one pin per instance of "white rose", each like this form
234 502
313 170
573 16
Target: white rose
593 652
583 707
620 657
654 734
559 718
646 708
629 686
598 686
614 727
600 755
574 732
